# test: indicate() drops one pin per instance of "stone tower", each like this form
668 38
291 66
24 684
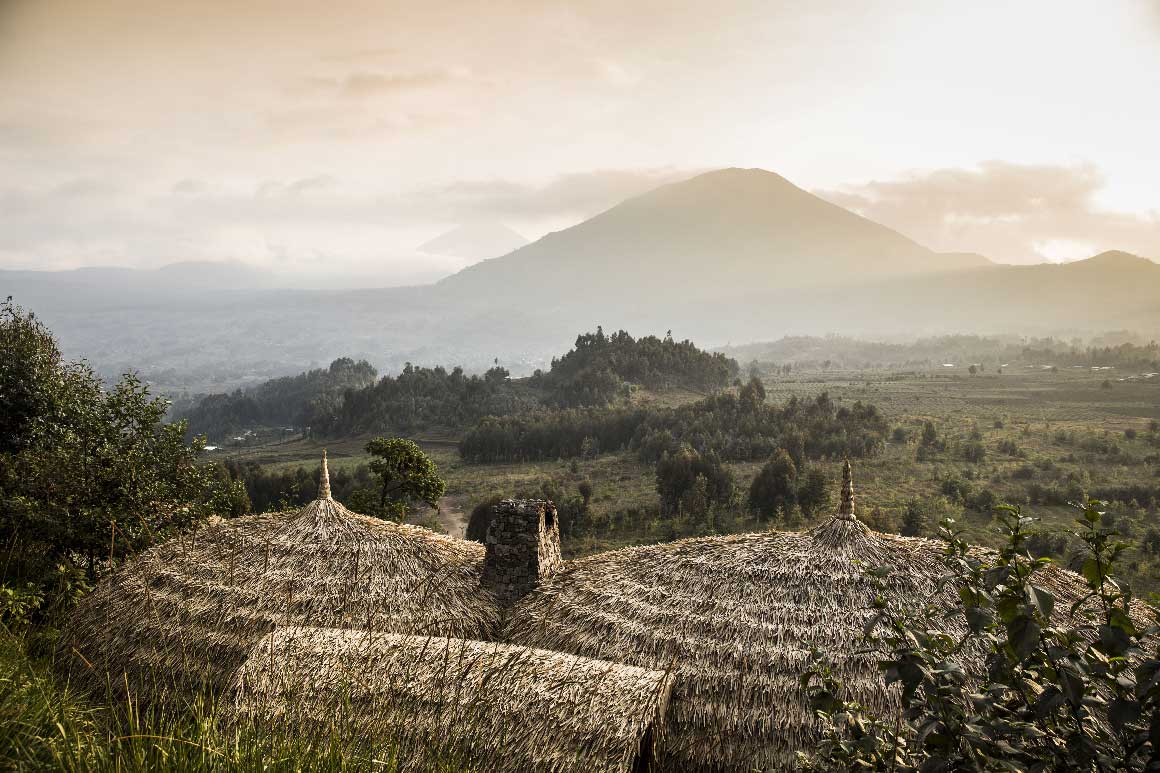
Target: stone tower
523 548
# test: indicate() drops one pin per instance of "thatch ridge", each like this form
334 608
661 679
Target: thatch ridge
182 615
739 615
488 706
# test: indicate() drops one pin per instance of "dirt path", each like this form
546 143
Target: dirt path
452 518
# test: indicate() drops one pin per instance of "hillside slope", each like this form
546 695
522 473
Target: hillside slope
743 228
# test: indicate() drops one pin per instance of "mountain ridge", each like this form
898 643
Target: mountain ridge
755 223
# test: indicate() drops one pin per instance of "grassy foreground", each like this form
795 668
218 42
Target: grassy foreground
45 725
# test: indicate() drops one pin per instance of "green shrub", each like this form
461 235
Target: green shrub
1077 695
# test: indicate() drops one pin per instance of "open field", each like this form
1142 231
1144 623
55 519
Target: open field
1052 430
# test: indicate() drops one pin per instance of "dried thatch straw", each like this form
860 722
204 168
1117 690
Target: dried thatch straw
738 615
487 706
184 614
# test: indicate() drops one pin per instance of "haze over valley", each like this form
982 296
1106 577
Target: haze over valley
726 257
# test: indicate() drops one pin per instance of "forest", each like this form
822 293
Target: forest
345 399
737 426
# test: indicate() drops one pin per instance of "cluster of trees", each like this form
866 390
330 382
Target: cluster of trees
398 479
691 482
742 427
561 434
420 398
287 488
781 490
346 399
572 507
736 426
89 472
600 367
296 401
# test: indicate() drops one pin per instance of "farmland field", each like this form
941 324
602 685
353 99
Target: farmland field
1046 436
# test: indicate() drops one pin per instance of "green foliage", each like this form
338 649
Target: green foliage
584 489
311 398
774 489
44 725
406 476
17 605
923 514
780 486
813 492
735 427
597 369
426 397
345 399
480 518
974 453
1078 689
88 475
688 480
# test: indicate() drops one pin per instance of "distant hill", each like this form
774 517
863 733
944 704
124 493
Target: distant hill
726 257
475 241
716 235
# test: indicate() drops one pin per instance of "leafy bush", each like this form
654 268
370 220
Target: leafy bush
88 474
1051 696
680 473
974 453
780 486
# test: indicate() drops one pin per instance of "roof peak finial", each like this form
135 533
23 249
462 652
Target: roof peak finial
846 508
324 484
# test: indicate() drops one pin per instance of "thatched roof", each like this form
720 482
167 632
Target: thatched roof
185 613
486 706
738 615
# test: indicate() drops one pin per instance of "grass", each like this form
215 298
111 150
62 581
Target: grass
46 725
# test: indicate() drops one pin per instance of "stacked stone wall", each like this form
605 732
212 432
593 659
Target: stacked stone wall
523 548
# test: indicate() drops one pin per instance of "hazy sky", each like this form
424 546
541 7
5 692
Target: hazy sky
333 137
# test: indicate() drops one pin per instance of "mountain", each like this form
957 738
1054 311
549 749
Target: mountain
718 234
475 241
727 257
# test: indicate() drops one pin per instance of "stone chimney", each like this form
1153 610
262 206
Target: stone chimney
523 548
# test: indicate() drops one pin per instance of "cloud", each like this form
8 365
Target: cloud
1015 213
369 84
287 222
372 84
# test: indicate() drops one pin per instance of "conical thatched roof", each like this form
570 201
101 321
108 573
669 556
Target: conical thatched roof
738 615
185 613
486 706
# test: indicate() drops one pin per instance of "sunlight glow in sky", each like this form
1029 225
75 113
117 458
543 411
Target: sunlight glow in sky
335 137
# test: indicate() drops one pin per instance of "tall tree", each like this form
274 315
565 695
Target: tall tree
774 490
88 475
406 476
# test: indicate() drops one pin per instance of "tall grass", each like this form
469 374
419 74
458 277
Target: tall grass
46 725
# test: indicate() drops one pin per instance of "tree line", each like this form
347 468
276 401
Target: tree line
736 426
295 401
346 399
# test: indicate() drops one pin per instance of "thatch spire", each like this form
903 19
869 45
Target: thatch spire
846 509
324 485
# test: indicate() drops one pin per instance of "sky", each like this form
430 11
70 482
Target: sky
325 140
